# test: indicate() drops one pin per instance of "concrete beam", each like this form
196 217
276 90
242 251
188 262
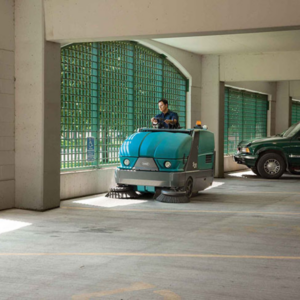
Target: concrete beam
94 20
275 66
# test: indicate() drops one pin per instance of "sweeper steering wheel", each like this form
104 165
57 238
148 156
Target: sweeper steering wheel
159 123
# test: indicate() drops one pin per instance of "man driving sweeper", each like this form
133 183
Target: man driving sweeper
167 118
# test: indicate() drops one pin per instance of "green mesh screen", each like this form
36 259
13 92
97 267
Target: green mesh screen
78 103
295 111
245 117
148 85
262 107
175 91
108 90
115 98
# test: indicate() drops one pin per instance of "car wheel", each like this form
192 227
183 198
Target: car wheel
189 187
255 171
271 166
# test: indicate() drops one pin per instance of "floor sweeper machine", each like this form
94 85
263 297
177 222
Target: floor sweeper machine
172 164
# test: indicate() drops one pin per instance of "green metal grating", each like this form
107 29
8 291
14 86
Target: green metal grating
245 117
78 103
175 91
148 85
108 90
295 112
116 83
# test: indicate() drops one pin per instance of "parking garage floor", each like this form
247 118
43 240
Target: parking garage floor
239 239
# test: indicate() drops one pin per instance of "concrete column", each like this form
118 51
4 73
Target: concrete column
283 106
212 106
37 126
272 117
7 105
295 89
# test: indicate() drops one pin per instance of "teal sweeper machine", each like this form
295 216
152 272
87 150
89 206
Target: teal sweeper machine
173 164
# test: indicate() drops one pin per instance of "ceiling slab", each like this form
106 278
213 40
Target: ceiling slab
238 43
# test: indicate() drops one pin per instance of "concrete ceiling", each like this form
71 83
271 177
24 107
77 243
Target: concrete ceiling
238 43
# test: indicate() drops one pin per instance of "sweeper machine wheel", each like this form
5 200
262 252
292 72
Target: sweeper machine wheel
122 192
189 187
178 196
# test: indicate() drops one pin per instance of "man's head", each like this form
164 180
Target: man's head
163 105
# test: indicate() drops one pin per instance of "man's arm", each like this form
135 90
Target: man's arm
156 117
174 119
172 122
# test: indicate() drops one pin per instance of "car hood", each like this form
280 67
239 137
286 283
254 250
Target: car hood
263 140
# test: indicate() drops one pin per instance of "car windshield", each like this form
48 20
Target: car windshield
291 131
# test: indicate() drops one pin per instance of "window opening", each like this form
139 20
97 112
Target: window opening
108 90
245 117
295 111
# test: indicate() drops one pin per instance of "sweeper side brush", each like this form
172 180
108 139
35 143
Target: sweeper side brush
122 192
171 196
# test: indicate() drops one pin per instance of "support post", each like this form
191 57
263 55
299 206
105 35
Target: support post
212 106
37 126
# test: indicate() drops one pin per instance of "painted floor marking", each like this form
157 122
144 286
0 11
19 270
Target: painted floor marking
157 255
183 211
254 192
168 295
138 286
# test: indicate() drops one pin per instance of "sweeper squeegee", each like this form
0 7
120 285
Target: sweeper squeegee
122 192
173 196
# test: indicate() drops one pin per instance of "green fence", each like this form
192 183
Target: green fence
245 117
295 111
108 90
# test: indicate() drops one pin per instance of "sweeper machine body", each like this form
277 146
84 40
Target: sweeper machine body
173 164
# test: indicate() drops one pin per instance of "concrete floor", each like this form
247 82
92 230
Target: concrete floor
238 240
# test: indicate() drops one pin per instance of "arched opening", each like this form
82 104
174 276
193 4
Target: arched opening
108 90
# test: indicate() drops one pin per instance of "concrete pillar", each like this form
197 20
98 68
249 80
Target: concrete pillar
272 116
37 126
212 107
295 89
7 105
283 106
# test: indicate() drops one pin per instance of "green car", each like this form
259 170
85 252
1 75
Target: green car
271 157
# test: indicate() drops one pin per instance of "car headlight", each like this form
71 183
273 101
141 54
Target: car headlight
246 150
167 164
126 162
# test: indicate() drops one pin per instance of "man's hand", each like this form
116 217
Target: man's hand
152 120
172 122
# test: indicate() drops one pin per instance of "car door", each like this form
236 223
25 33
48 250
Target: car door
294 151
